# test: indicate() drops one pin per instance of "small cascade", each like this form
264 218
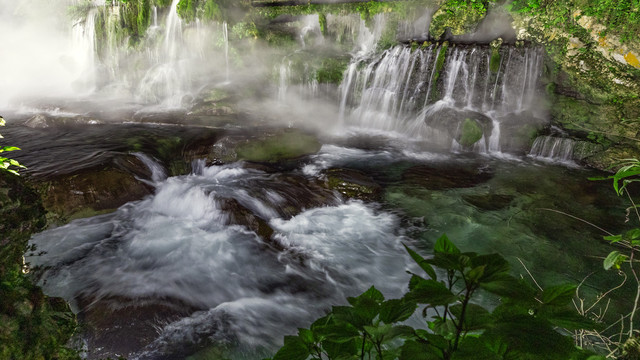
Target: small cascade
158 173
225 37
428 92
553 147
284 72
83 38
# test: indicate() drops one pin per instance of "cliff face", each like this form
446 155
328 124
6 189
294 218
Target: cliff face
593 78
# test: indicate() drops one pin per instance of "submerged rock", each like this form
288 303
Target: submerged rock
446 176
489 202
353 184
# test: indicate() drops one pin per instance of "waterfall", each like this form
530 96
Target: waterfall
425 93
552 147
83 37
225 34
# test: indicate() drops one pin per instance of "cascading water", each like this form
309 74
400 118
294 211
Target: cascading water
178 247
427 93
553 147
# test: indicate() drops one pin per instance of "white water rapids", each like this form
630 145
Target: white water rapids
175 246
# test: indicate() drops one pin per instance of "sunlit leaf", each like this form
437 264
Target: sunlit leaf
614 260
444 245
422 263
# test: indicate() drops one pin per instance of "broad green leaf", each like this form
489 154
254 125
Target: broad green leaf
10 148
395 310
476 317
413 350
373 294
399 331
429 292
474 348
360 317
559 295
633 234
422 263
446 329
475 274
445 246
306 336
509 287
532 336
293 349
614 259
342 350
338 332
495 266
446 261
567 318
378 332
436 340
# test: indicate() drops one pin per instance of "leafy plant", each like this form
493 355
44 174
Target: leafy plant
524 326
625 342
6 164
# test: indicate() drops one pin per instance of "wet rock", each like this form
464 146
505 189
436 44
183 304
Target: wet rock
240 215
489 202
42 121
446 176
110 328
93 191
518 131
353 184
465 126
267 146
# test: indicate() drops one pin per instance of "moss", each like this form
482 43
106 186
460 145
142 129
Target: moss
32 326
322 21
212 11
144 16
283 146
494 62
331 70
187 10
460 18
471 133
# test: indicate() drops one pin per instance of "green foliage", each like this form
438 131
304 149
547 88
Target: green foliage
523 326
32 326
8 165
619 16
331 70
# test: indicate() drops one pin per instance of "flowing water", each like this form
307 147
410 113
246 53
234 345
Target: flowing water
227 257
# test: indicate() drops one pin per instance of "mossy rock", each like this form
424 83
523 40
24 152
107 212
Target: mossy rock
283 145
459 19
612 155
353 184
470 133
90 192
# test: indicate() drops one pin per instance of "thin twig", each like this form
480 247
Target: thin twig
528 272
577 218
